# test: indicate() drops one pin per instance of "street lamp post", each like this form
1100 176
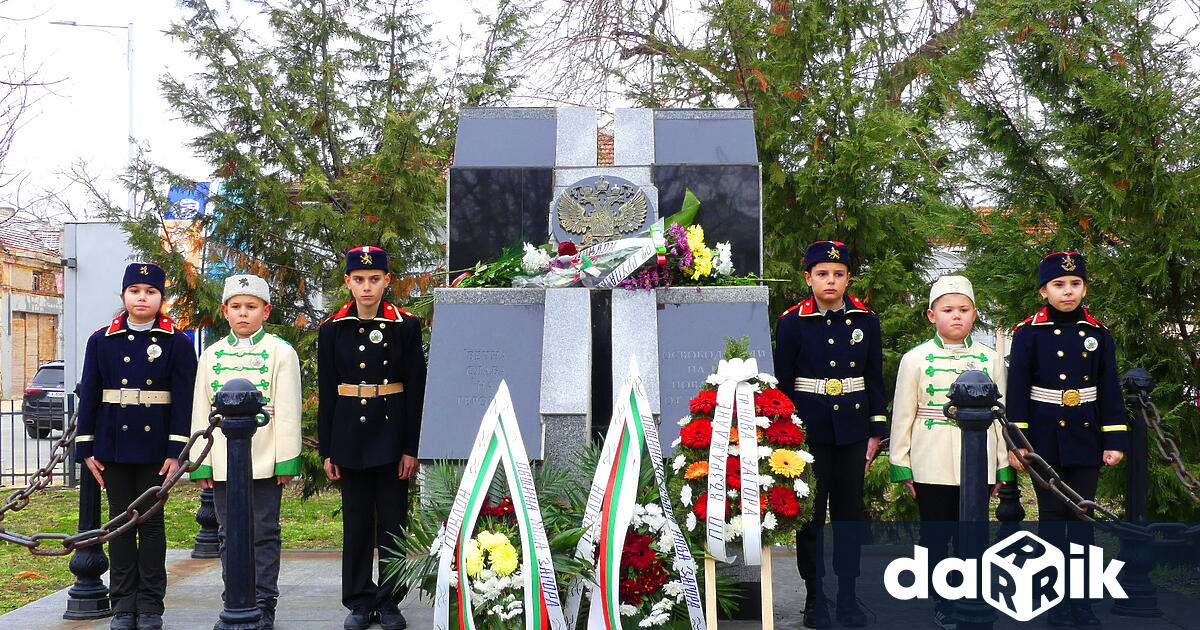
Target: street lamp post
128 28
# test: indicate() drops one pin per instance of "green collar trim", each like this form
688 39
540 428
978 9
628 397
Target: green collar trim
937 339
254 339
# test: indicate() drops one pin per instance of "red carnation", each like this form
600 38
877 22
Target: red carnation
705 402
783 501
773 403
502 508
697 433
785 433
567 248
701 507
637 553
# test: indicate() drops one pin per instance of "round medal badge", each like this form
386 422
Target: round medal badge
376 336
257 362
1090 344
154 351
856 336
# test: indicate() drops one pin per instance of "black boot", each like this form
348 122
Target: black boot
1084 617
816 608
1060 616
849 614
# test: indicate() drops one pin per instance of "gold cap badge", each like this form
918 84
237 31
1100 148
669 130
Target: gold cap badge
366 259
145 271
1068 263
834 253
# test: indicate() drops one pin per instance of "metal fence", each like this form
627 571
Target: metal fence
24 448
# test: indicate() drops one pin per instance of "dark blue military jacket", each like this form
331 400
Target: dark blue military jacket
837 344
160 359
1066 351
364 432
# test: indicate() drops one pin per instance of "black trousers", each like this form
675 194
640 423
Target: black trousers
138 572
1058 523
374 513
938 506
839 473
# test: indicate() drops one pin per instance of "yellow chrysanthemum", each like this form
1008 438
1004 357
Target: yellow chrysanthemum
504 559
702 257
786 463
491 540
474 555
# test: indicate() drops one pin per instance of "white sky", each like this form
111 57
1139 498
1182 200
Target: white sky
84 115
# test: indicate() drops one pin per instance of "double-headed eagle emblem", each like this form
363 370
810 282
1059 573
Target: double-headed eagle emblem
602 212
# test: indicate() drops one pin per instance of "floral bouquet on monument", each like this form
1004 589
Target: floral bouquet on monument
740 455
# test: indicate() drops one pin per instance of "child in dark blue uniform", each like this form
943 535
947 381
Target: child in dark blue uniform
1063 393
135 401
829 361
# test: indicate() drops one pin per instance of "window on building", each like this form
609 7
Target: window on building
44 282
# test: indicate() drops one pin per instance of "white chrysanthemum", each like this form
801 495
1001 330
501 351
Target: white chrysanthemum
627 610
535 260
454 579
676 442
690 522
723 258
769 521
683 422
765 481
733 494
678 462
674 588
734 450
767 379
797 421
762 421
685 495
765 451
805 455
733 529
800 487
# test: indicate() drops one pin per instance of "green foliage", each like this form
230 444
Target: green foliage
328 127
738 348
1082 128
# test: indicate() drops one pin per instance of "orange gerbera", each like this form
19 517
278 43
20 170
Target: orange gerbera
696 470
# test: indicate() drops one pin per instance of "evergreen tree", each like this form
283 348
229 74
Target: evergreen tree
1083 129
330 125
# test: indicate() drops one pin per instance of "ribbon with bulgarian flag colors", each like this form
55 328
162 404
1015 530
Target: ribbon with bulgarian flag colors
610 507
498 442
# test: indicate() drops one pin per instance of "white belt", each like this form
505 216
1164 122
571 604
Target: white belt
129 396
1063 397
831 386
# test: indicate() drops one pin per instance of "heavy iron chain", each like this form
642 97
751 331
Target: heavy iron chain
1044 475
1167 448
118 525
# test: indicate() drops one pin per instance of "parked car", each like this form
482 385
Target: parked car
42 406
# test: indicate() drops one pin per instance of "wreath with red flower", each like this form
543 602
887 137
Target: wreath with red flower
783 463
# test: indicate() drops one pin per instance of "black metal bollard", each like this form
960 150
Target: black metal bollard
1137 551
88 597
207 543
239 403
973 406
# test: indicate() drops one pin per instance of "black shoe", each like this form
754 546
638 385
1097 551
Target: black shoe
390 617
943 616
848 612
1083 615
816 607
1060 616
267 622
358 620
149 621
123 621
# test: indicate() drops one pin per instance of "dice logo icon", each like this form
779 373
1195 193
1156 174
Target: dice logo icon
1023 576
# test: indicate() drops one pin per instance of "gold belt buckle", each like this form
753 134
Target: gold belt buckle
364 389
833 387
1071 398
133 396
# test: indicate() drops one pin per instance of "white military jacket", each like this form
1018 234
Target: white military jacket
271 364
926 446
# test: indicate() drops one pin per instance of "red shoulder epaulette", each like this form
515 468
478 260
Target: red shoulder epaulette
1092 320
164 324
1023 322
806 308
391 313
859 304
340 313
113 328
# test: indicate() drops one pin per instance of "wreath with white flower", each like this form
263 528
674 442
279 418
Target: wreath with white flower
784 466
